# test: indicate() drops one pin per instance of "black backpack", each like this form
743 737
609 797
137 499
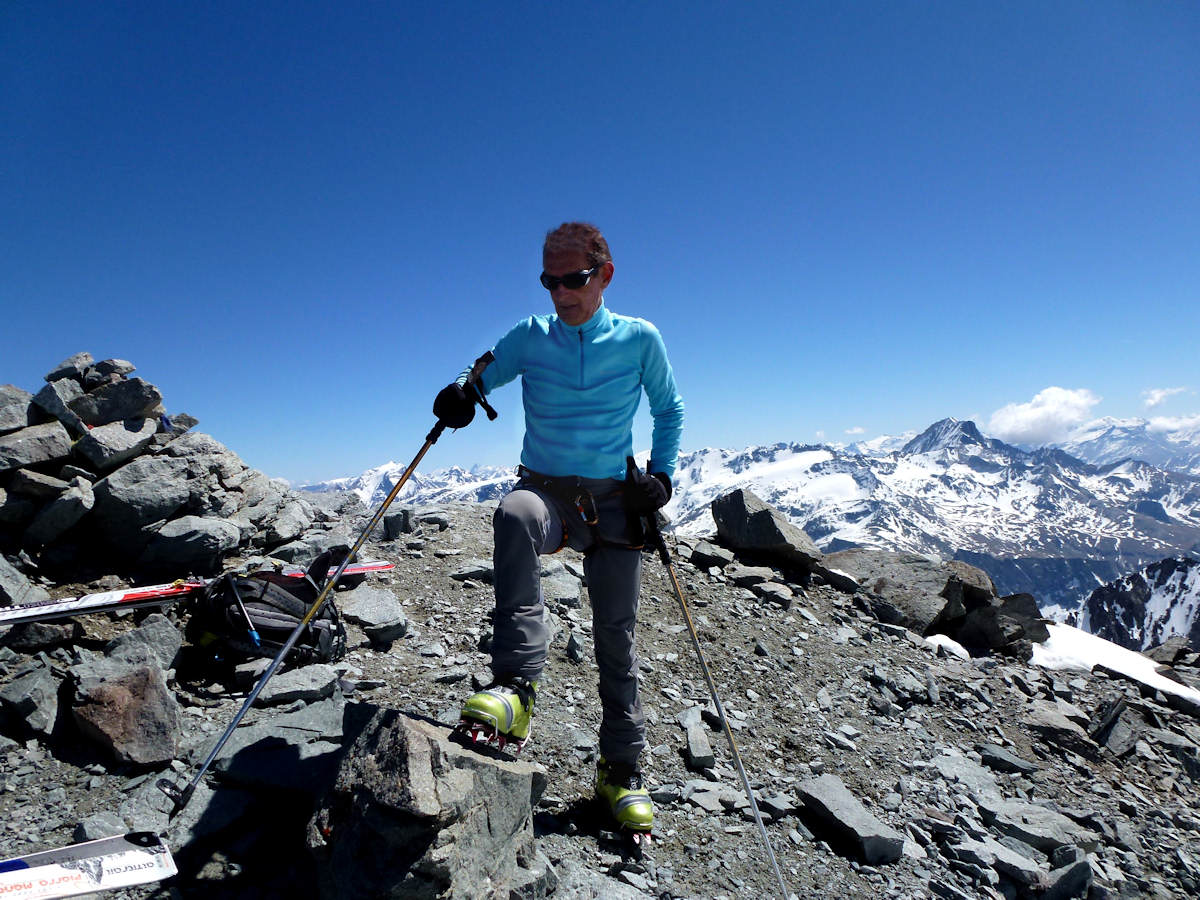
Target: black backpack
272 604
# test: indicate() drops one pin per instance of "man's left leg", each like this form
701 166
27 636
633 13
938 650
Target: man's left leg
614 576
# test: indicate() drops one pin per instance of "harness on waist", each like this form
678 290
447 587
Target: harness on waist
571 490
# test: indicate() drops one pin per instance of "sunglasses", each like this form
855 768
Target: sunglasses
572 281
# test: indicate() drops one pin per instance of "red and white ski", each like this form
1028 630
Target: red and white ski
149 595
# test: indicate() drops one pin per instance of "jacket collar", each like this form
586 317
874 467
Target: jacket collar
598 322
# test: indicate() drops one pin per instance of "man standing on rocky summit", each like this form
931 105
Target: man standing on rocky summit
583 370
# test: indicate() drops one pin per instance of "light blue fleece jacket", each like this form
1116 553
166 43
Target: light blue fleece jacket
581 385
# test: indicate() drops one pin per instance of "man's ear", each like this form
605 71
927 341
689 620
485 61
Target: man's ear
607 274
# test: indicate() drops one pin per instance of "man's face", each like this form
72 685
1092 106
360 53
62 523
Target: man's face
577 306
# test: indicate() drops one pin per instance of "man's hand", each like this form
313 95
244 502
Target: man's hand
454 406
646 492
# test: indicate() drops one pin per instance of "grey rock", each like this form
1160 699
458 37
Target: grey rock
55 398
29 637
413 814
116 401
16 589
71 367
15 509
145 490
1000 624
61 514
107 446
36 485
773 592
1053 727
33 698
991 854
562 587
34 445
155 639
397 522
307 684
574 649
699 749
269 750
832 802
746 523
912 590
705 556
748 576
16 410
475 570
176 425
377 610
99 825
191 543
1001 760
1035 825
107 367
576 882
128 710
957 769
291 520
1072 880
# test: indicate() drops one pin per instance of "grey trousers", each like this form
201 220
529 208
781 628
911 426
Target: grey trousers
530 522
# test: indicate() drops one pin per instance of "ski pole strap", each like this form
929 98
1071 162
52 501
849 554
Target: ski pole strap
472 385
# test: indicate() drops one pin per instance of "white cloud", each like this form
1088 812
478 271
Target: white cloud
1168 424
1048 417
820 435
1156 396
857 429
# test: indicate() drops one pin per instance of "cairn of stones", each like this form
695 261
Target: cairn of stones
96 476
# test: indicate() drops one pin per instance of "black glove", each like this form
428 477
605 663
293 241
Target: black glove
455 405
646 492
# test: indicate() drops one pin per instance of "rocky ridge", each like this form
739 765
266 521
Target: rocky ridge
883 763
887 758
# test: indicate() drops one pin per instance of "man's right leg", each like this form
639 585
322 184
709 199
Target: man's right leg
525 525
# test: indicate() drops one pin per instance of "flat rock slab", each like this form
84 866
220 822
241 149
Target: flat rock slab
832 802
1037 826
33 445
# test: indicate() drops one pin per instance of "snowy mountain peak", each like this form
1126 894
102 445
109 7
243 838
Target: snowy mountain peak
948 434
1148 606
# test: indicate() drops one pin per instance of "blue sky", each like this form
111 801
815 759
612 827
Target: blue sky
300 220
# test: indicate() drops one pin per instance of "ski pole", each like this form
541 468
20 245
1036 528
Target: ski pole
181 796
655 539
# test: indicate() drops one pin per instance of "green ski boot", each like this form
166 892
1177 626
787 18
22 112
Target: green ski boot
501 714
619 785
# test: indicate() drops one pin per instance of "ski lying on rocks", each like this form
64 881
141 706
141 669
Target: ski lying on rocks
113 862
150 595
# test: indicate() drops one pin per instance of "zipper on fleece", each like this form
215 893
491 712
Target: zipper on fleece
581 384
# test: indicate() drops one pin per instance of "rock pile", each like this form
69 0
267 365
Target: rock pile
92 468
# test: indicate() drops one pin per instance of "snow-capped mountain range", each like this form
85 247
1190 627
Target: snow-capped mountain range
1167 444
1148 606
1040 521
